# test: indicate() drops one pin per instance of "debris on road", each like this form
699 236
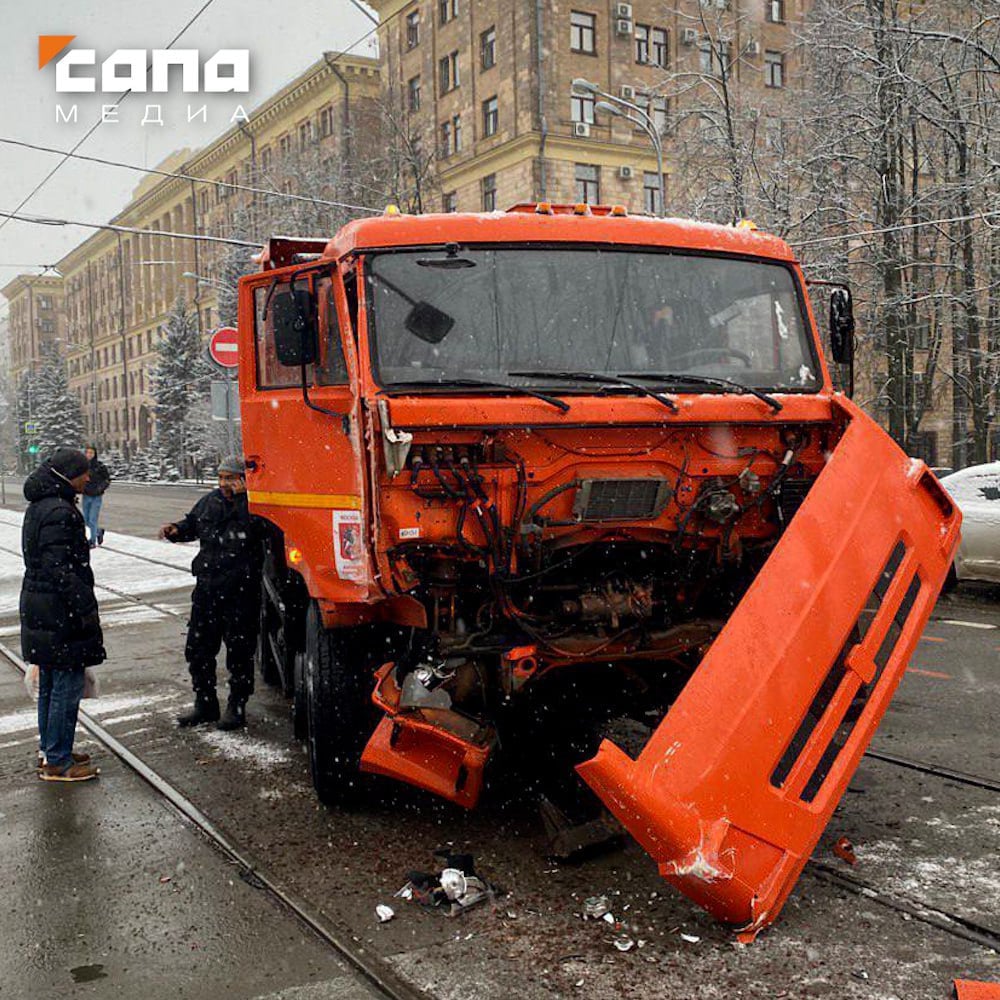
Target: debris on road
455 888
968 989
384 913
844 850
690 938
577 842
595 907
624 943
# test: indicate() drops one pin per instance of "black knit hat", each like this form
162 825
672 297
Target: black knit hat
68 462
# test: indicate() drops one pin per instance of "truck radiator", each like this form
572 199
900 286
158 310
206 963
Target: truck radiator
621 499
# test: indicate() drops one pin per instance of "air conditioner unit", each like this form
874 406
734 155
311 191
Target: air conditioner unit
624 11
625 172
689 36
623 26
581 130
753 47
627 93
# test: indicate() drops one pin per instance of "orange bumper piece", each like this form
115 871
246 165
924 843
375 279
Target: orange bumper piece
966 989
735 786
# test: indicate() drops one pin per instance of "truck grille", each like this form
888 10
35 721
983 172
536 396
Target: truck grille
621 499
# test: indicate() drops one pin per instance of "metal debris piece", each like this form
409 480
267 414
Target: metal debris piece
608 918
624 943
454 883
595 907
860 974
576 842
690 938
844 850
384 913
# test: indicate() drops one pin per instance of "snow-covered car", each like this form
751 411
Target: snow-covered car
976 490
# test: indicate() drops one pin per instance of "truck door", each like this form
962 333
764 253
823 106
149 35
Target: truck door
302 447
734 788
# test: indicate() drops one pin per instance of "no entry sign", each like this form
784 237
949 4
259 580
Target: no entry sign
224 347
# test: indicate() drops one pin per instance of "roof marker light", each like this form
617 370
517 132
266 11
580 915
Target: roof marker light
619 211
392 210
581 208
747 224
544 208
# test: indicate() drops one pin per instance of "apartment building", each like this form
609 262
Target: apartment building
36 318
490 86
114 293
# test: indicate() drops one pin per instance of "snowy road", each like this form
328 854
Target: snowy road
139 567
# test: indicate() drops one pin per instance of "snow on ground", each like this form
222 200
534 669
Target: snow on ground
244 747
121 564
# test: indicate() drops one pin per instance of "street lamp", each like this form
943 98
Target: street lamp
612 105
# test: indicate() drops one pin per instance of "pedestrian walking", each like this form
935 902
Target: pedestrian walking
93 495
225 605
60 624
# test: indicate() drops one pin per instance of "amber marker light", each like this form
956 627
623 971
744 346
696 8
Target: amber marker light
544 208
618 211
581 208
294 556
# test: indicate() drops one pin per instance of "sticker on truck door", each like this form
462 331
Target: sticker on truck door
347 546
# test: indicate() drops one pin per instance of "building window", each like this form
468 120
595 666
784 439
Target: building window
44 302
774 69
775 11
447 10
285 144
588 183
715 58
326 122
642 43
413 29
489 183
583 32
488 48
651 193
305 135
657 110
446 147
491 117
456 133
448 72
581 108
659 47
265 159
449 202
413 93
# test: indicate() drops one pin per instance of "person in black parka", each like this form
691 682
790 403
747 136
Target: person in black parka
60 624
93 495
225 605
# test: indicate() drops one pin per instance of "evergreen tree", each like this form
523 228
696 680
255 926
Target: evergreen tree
180 380
44 399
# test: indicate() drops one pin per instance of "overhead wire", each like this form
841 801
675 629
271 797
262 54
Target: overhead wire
93 128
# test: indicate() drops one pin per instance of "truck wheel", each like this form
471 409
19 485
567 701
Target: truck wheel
339 713
300 722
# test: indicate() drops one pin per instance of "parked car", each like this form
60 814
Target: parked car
976 490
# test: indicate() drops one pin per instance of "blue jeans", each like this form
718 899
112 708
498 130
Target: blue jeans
91 512
59 694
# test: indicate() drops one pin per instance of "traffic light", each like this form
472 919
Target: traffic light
32 449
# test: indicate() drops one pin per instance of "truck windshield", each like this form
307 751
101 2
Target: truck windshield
441 315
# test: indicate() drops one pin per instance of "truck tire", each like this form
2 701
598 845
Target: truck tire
300 721
339 714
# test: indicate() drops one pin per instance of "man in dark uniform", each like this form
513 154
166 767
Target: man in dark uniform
225 605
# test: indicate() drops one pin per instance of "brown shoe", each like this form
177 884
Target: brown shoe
74 772
78 758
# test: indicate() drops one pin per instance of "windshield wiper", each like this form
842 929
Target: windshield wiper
708 380
604 378
461 383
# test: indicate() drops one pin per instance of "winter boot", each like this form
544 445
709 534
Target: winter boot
235 716
206 709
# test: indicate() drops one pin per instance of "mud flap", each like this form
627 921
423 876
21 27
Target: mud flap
735 786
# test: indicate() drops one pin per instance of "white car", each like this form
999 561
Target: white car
976 490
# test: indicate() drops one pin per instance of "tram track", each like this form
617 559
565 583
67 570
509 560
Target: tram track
380 973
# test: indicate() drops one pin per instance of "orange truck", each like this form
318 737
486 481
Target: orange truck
569 465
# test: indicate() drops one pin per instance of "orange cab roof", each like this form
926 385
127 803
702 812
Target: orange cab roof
561 224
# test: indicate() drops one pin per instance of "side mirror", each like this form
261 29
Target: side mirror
842 326
293 320
428 322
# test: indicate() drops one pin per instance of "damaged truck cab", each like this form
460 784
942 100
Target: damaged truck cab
532 473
